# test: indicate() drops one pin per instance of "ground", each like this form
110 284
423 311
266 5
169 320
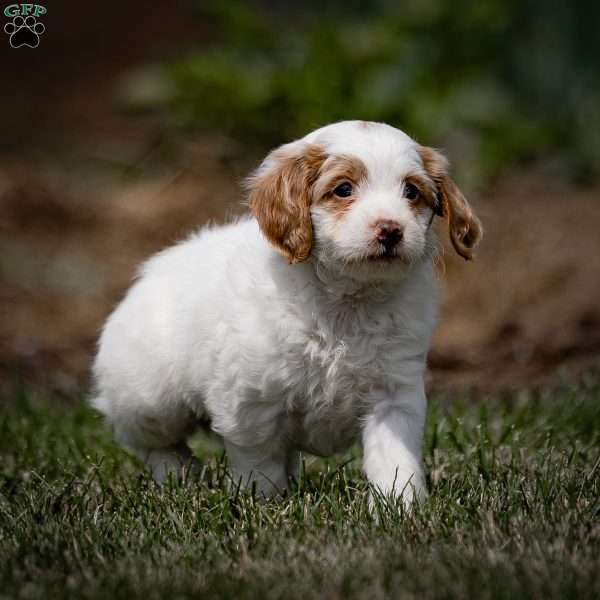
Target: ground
513 513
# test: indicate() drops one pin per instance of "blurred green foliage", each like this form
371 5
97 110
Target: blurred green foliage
495 82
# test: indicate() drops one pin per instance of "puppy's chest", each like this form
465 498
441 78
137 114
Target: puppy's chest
343 364
340 364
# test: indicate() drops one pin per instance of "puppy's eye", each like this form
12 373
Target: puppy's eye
411 191
343 190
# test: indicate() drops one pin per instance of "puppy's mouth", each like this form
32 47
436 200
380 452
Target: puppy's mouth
385 258
379 256
385 255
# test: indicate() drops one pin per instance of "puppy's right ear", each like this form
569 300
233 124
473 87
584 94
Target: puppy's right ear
280 195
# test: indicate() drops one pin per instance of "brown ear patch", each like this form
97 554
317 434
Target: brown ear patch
464 228
280 198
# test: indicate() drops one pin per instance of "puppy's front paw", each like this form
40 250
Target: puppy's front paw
405 494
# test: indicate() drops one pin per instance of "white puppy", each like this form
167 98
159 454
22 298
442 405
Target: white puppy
300 328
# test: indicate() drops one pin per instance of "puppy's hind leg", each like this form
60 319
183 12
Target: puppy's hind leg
176 461
262 466
157 438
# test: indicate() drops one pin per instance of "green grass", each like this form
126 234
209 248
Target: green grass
514 512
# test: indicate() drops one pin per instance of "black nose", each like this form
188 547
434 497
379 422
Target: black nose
388 234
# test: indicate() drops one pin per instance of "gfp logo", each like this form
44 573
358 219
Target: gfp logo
24 29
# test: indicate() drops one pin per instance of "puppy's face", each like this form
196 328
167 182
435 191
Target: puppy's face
360 198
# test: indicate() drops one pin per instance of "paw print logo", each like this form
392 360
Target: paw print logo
24 31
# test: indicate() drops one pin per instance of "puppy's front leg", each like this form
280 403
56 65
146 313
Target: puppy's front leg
392 440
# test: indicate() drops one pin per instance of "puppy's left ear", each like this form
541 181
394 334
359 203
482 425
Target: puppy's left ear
464 228
280 195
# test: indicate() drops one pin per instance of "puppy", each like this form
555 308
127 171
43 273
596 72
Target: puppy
300 328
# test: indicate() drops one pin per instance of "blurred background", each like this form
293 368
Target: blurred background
132 124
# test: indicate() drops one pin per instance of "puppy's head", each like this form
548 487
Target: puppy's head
360 197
